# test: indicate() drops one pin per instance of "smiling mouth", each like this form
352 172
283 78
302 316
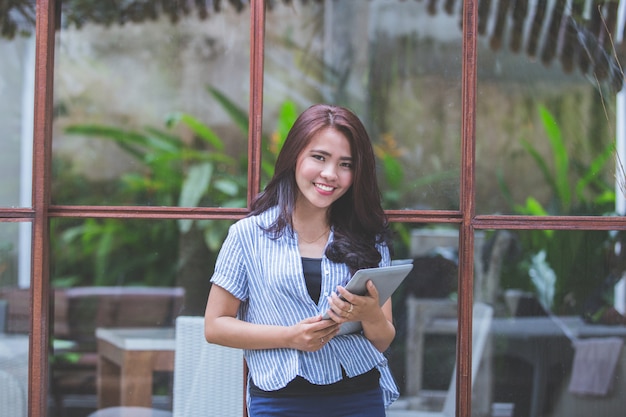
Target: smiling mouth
323 187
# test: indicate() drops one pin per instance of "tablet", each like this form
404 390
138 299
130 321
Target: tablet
386 279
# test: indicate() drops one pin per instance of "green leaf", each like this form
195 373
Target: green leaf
561 159
195 184
591 175
200 129
394 174
541 163
162 141
129 141
238 115
228 187
194 187
214 234
286 118
534 207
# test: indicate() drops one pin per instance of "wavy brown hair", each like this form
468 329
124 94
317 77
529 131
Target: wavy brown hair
357 217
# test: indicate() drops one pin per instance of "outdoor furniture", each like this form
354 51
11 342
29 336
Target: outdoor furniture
16 309
421 313
13 374
12 396
482 318
208 378
127 360
78 311
568 404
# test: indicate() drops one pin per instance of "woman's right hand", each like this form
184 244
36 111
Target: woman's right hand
313 333
221 326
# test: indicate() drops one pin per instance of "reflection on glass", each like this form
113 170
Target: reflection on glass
149 112
546 109
397 65
15 317
559 324
154 253
549 311
15 240
422 356
17 89
124 275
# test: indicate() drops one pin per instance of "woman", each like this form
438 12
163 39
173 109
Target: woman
318 221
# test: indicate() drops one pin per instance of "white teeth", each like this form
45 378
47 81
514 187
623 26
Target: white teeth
324 187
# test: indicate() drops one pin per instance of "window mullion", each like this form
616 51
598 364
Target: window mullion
40 283
257 38
467 200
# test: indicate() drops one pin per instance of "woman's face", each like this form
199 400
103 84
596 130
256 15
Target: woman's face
324 169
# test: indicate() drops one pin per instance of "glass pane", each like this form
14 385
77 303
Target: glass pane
396 66
558 327
422 356
119 286
150 104
17 89
15 316
547 110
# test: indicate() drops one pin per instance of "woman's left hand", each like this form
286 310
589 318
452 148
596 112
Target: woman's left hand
346 306
377 321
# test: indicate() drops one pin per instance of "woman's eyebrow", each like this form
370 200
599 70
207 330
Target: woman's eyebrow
326 153
323 152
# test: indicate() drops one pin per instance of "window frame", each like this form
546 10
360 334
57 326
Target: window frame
465 218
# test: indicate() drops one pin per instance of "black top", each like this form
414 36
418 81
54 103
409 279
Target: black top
300 387
312 268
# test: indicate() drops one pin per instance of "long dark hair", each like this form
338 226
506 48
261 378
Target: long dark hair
357 217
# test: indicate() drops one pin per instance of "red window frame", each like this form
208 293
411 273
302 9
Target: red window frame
465 218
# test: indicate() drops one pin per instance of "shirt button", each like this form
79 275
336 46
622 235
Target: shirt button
326 271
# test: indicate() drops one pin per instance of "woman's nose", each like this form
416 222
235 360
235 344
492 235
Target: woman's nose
329 171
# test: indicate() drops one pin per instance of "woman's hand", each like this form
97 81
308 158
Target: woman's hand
377 321
346 306
222 326
312 334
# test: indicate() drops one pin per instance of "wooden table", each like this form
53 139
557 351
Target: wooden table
127 359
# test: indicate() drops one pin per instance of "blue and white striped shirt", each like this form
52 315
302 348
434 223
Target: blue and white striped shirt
266 275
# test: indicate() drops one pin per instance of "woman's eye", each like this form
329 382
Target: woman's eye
318 157
346 165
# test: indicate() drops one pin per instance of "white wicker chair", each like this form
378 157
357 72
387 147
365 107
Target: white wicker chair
208 378
12 396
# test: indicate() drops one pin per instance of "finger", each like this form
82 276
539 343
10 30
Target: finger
371 288
345 295
314 319
332 333
336 316
345 306
343 315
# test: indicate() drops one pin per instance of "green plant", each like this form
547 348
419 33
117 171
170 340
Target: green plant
272 143
576 259
105 252
173 171
590 193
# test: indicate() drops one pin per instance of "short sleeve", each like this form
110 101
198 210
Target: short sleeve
230 268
